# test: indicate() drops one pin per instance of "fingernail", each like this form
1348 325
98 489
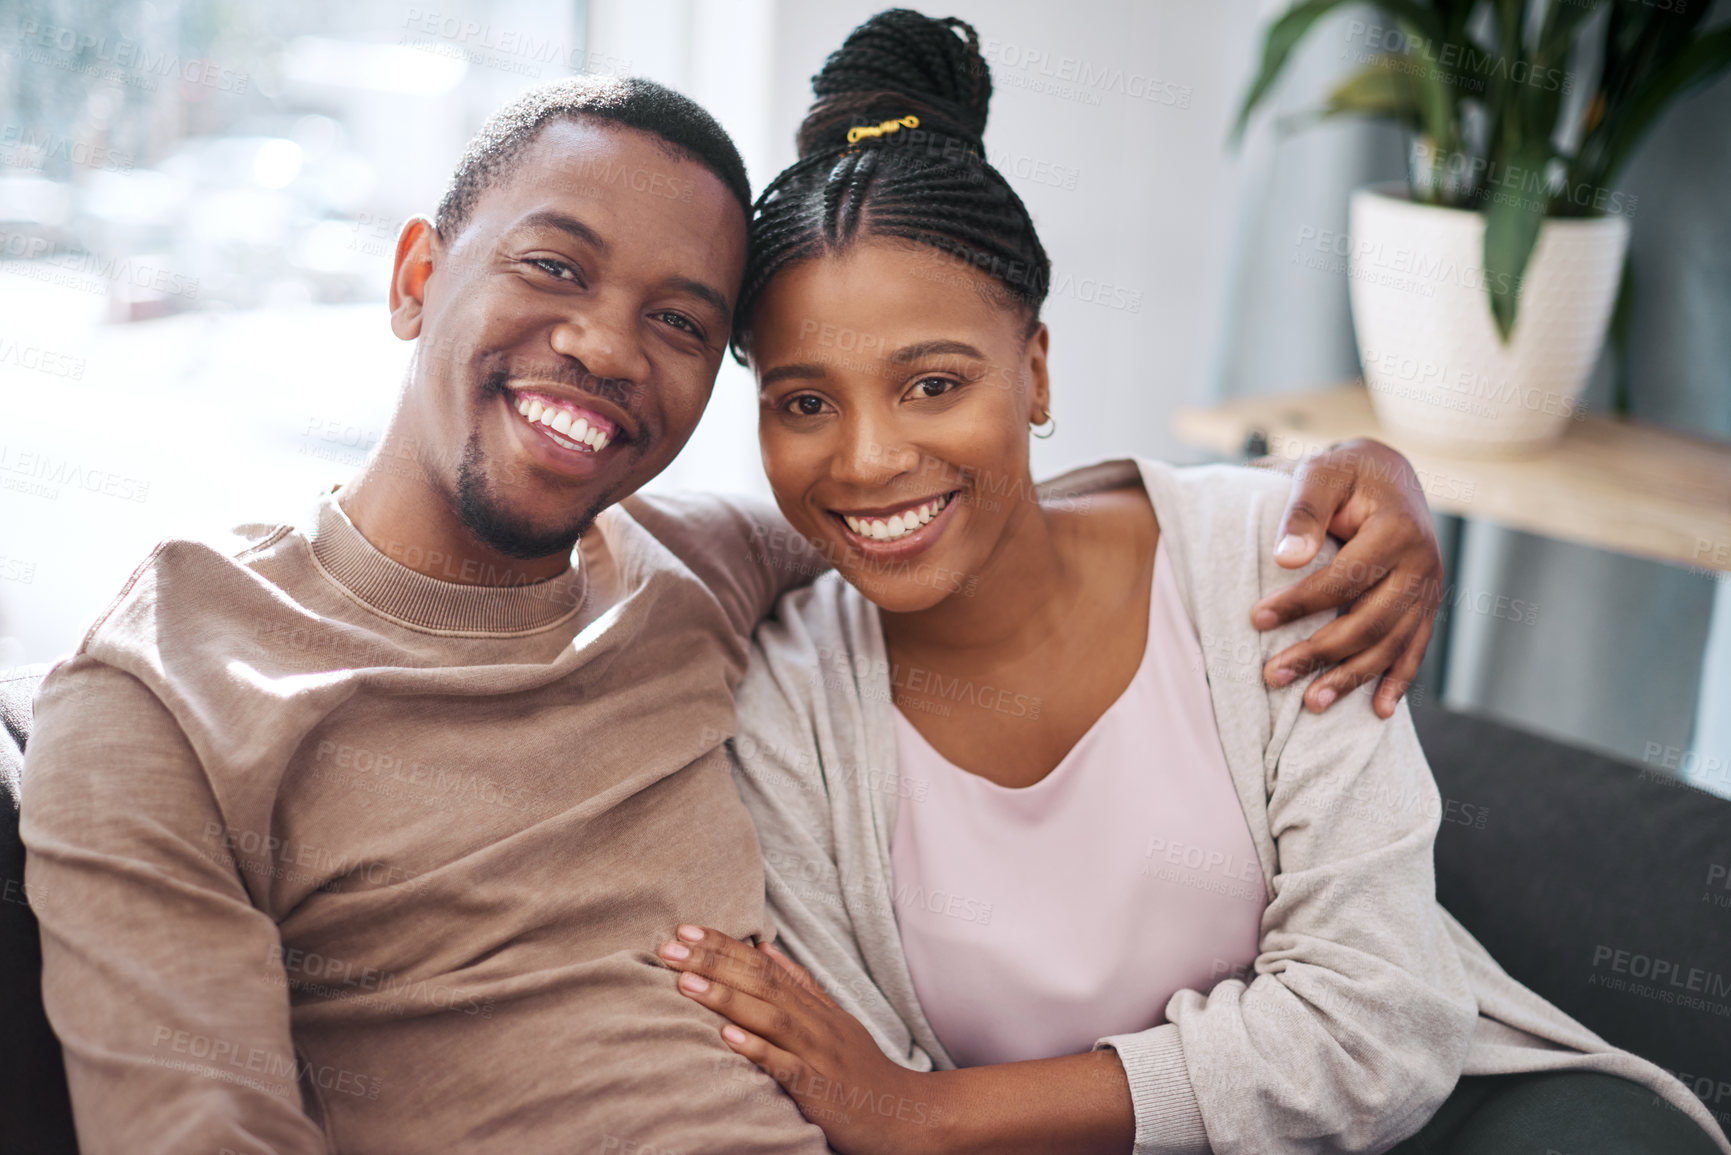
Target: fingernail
1289 547
1324 699
675 950
1265 619
691 933
695 983
1282 676
732 1034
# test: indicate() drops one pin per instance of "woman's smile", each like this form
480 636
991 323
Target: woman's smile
897 531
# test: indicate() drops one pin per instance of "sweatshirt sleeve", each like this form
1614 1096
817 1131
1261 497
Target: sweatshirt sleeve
741 548
162 980
1356 1021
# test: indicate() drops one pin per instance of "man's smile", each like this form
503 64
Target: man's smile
572 426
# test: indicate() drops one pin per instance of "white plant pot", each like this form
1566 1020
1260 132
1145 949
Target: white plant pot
1437 370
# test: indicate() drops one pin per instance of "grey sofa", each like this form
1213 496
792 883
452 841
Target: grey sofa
1570 867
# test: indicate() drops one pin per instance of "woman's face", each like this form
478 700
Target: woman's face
896 387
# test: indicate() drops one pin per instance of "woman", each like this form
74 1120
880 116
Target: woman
1053 869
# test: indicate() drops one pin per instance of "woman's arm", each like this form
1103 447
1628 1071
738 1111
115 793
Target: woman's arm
780 1019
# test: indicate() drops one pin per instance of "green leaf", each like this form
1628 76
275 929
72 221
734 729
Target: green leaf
1512 226
1285 33
1433 92
1703 59
1557 34
1376 88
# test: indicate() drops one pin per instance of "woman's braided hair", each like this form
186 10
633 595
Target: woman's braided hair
930 185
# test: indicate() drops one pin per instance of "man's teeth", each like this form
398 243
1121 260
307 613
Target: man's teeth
561 422
899 525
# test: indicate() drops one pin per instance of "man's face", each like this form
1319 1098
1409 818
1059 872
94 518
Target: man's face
570 333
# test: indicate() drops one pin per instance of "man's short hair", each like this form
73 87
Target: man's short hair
681 122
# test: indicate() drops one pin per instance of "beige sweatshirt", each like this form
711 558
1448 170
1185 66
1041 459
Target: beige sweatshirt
366 861
1366 1002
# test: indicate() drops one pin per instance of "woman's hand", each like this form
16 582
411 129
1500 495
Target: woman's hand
782 1021
1390 570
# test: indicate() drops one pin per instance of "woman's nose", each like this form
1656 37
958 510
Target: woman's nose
874 452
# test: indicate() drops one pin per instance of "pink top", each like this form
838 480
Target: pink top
1037 920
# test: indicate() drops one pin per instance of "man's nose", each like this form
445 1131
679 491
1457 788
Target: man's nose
606 341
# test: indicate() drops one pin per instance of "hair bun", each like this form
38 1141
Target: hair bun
901 62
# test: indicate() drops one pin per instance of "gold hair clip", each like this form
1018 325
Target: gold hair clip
888 126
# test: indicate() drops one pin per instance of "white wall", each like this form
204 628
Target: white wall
1134 196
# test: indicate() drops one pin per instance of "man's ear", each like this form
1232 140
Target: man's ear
418 249
1040 396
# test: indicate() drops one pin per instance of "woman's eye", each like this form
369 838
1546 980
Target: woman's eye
805 405
934 386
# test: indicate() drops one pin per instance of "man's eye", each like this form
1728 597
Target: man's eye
557 269
805 405
933 386
681 322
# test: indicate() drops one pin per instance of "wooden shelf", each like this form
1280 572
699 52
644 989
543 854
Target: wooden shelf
1617 485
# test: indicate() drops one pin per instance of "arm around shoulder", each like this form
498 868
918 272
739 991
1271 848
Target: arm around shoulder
741 548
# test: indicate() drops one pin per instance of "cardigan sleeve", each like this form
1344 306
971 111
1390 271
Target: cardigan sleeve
796 784
1356 1021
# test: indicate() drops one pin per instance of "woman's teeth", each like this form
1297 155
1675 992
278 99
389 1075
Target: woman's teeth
574 433
898 526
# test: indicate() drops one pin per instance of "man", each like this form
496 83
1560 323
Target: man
368 825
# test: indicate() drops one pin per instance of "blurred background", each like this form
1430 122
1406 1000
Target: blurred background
199 200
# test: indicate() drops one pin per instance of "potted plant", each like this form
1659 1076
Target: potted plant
1481 290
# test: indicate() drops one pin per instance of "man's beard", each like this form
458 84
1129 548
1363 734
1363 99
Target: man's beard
495 525
491 519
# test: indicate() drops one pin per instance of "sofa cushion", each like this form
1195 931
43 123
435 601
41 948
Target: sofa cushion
1599 884
1602 887
35 1113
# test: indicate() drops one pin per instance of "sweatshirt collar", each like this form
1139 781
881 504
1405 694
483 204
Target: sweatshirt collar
428 603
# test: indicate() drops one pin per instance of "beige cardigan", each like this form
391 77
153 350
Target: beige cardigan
1367 1001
